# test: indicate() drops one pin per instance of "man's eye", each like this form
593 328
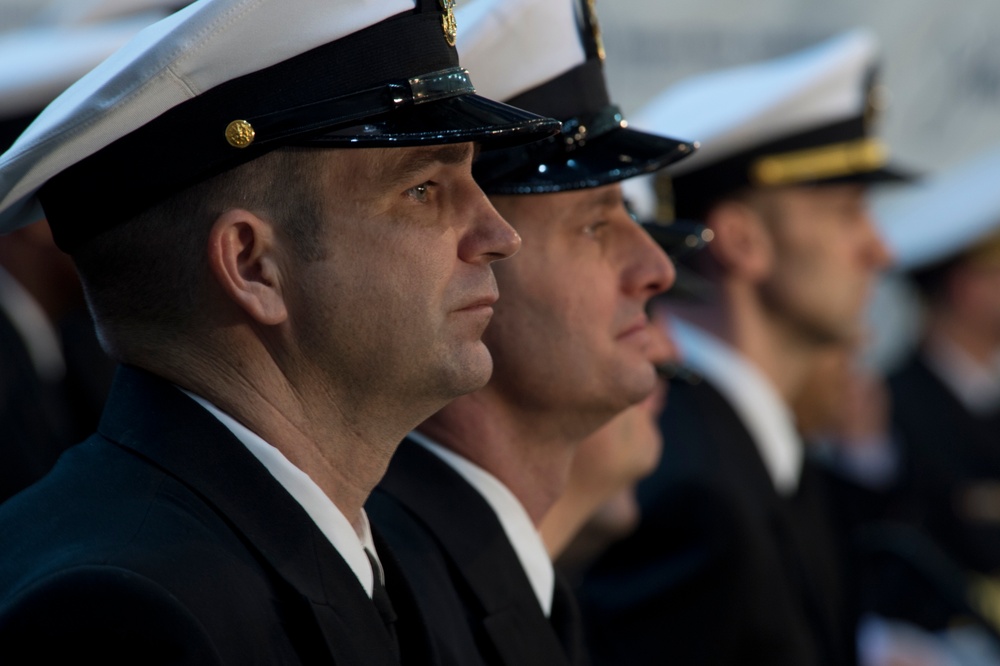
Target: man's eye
595 228
419 192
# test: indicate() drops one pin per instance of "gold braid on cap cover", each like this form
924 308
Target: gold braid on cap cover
832 161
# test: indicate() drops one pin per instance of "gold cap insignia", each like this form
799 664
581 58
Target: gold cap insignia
876 102
596 28
239 134
448 23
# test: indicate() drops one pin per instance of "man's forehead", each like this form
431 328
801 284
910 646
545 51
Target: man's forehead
607 196
816 192
568 205
378 169
400 162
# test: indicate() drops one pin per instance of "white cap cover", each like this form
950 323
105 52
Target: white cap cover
943 216
734 110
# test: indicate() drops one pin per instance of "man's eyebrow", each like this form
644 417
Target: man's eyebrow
611 198
416 161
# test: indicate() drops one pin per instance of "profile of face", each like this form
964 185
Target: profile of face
826 254
607 466
404 290
570 333
972 293
627 448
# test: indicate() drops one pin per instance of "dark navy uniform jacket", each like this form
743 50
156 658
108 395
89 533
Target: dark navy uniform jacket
469 583
722 569
162 540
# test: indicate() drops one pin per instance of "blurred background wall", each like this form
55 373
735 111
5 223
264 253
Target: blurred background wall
941 66
941 58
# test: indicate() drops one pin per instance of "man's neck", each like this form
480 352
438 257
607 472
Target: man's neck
740 322
343 445
529 452
977 342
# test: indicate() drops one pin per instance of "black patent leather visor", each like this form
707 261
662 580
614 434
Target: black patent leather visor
432 108
886 175
469 117
612 156
679 238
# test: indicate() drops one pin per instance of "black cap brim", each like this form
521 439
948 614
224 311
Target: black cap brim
679 238
886 175
453 120
614 156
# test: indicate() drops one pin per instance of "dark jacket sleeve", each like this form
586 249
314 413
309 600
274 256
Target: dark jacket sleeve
102 614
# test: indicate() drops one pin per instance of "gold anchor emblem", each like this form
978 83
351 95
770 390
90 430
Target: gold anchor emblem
240 134
596 27
448 23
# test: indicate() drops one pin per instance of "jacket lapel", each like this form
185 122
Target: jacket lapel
473 540
157 421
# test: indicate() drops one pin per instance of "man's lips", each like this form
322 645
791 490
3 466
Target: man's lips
485 301
635 327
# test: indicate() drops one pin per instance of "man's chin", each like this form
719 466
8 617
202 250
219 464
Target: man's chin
471 370
641 385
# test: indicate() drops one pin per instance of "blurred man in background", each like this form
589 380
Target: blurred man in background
733 561
53 375
946 396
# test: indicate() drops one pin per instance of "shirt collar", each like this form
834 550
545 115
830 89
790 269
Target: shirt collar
754 398
328 517
517 525
976 385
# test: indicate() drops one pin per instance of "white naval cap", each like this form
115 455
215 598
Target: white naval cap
547 56
801 119
943 216
514 45
81 12
222 82
38 63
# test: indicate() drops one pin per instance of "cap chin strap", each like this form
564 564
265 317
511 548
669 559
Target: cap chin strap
348 109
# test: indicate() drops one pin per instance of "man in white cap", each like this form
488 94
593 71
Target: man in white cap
55 376
945 235
272 211
462 500
732 562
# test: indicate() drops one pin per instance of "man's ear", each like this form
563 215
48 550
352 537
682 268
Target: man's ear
742 245
243 258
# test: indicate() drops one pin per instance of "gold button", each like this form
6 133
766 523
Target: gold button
239 134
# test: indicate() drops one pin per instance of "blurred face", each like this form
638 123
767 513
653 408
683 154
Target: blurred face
570 334
827 253
405 290
973 293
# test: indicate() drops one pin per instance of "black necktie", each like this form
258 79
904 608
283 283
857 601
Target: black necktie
565 619
383 604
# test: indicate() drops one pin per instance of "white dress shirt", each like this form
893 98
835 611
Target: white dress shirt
517 525
976 385
329 519
752 395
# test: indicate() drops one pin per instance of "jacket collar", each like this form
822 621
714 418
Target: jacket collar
157 421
